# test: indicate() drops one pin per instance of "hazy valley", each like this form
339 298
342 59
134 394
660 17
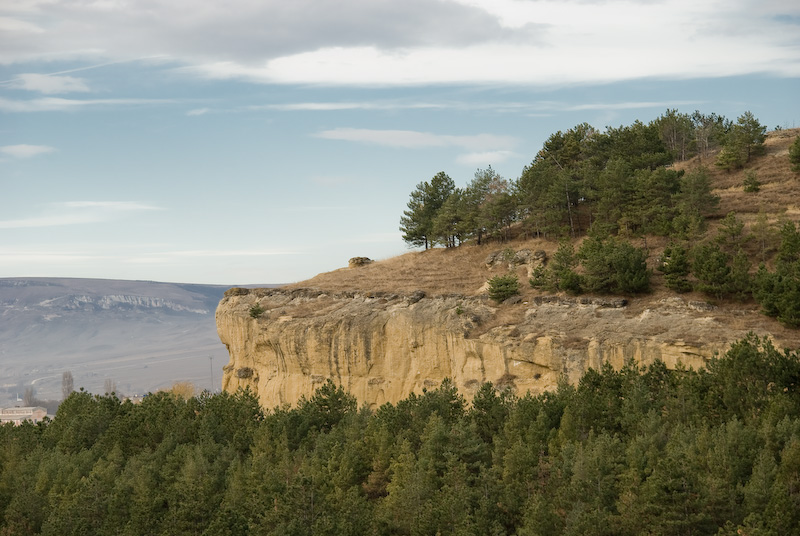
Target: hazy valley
140 335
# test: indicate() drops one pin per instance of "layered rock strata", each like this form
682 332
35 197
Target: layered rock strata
381 347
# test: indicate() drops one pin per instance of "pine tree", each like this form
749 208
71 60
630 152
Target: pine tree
674 264
794 154
417 223
744 140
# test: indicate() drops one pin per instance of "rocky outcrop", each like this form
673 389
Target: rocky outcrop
511 258
382 346
355 262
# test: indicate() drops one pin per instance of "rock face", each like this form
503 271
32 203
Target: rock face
381 347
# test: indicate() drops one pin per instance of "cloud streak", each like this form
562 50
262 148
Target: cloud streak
48 84
411 139
510 107
482 149
26 151
77 213
57 104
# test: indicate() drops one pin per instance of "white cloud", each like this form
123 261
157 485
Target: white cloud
412 139
198 111
576 63
241 30
18 27
510 107
422 41
49 84
419 42
25 151
344 106
57 104
76 213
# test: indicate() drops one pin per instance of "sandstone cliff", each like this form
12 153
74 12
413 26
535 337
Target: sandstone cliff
382 346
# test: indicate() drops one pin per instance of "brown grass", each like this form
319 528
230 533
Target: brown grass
437 271
780 186
462 270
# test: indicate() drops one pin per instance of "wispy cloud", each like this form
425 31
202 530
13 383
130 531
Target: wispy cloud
228 253
476 105
77 213
25 151
411 139
149 254
171 257
631 105
198 111
48 84
485 158
119 206
35 257
57 104
345 106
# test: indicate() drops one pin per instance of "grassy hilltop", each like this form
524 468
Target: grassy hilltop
760 215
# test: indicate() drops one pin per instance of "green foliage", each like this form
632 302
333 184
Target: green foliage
417 222
502 287
695 192
744 140
615 182
794 154
614 266
721 274
730 235
623 452
674 264
751 183
778 291
449 222
677 131
256 310
709 132
560 272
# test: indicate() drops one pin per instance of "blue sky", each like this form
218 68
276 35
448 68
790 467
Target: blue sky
264 142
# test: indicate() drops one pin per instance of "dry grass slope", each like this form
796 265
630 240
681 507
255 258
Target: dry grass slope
463 271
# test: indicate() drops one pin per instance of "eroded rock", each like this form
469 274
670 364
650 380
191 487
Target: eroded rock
382 347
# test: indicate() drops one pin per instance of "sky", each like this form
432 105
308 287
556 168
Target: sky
266 141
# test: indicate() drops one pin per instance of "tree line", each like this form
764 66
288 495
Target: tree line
632 451
615 181
617 185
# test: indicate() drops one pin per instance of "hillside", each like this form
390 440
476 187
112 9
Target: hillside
400 325
463 269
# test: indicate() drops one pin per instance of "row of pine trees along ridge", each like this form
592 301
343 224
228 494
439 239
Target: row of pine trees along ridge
619 186
629 452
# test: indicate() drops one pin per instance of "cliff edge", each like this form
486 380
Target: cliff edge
382 346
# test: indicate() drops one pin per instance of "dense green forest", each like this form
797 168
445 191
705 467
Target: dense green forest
634 451
616 187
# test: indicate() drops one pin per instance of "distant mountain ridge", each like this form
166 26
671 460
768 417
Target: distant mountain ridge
140 335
